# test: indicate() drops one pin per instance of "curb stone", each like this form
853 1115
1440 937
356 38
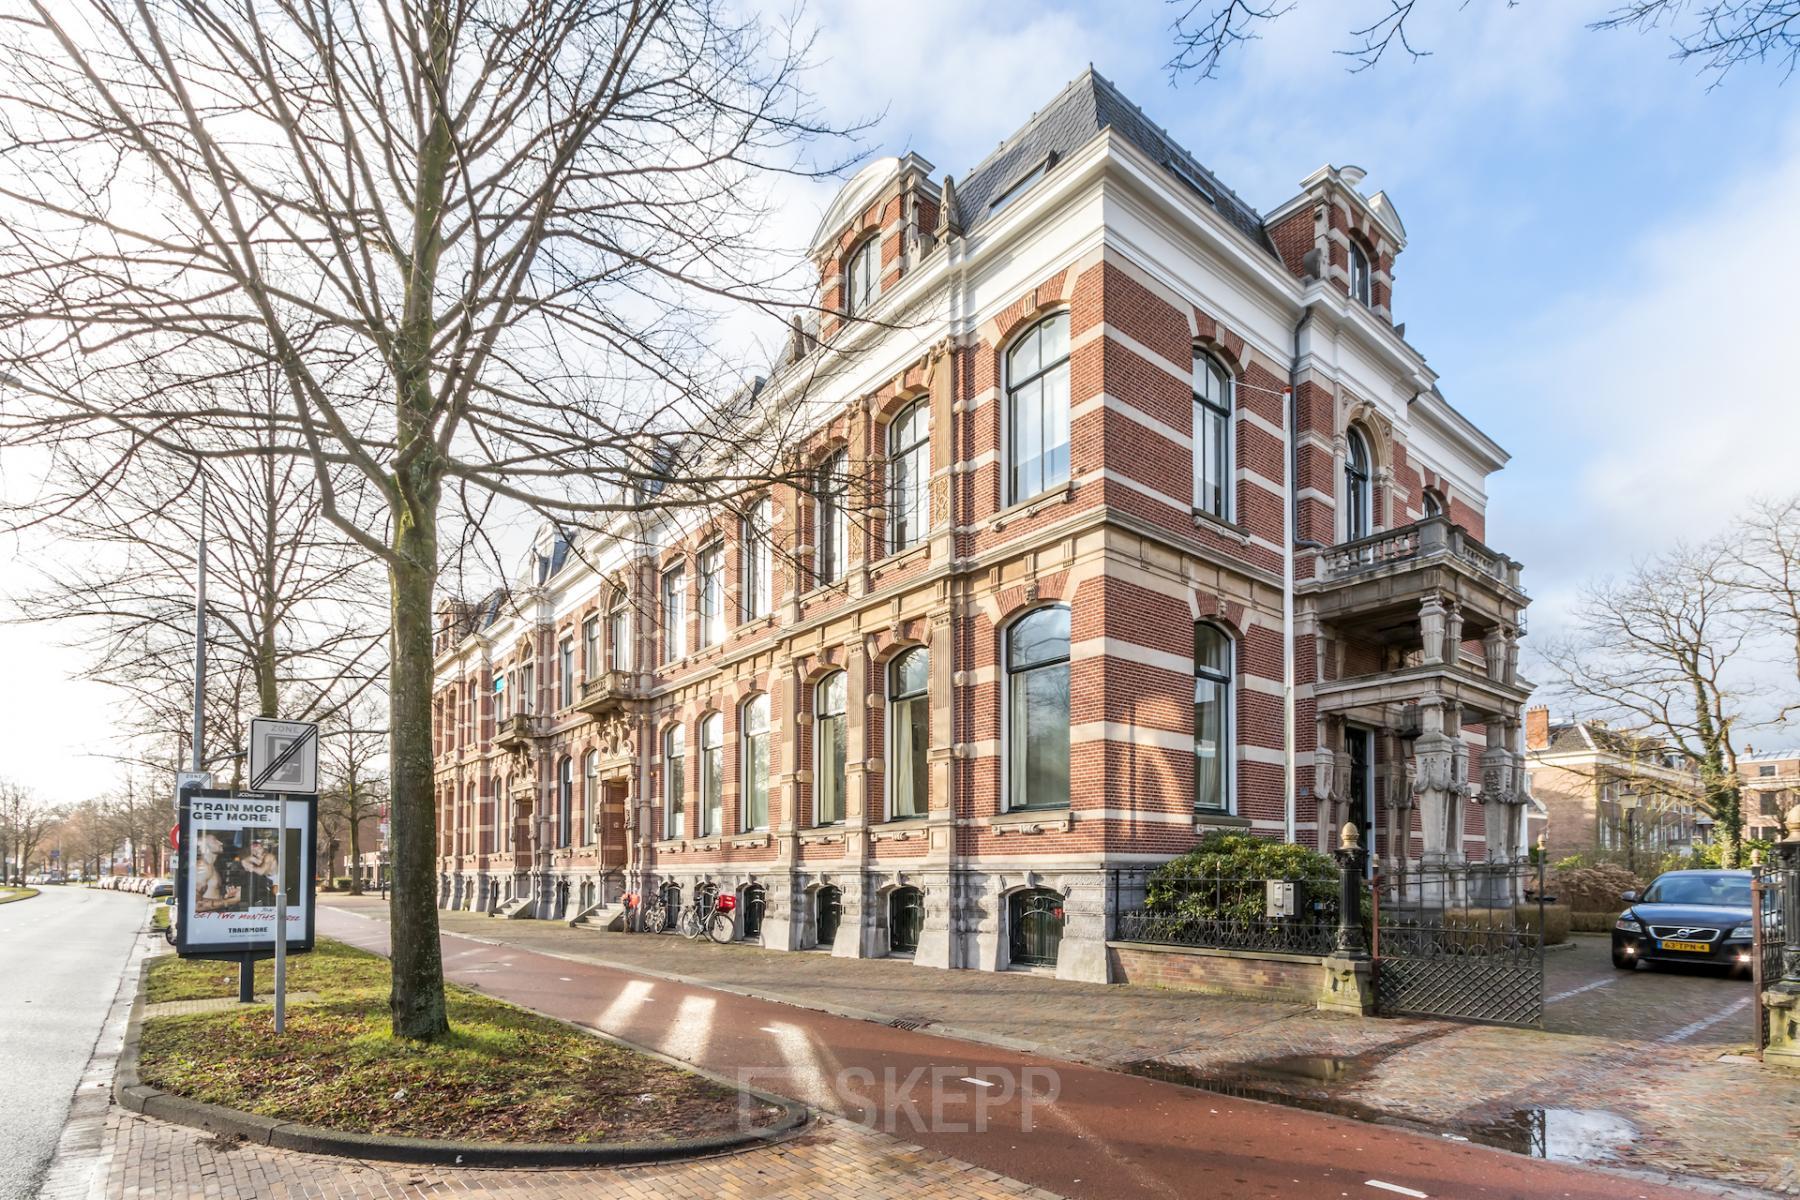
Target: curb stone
131 1093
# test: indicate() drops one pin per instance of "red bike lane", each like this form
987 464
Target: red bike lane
1076 1130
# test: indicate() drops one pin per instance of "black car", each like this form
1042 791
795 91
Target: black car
1687 916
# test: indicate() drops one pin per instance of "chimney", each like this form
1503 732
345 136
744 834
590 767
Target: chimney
1537 727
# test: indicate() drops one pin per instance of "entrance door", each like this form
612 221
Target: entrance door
1361 744
613 796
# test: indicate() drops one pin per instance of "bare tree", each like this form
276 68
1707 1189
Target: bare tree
1766 551
353 784
1656 654
485 246
1716 35
86 836
24 822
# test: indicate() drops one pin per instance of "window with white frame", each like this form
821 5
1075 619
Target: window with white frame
712 774
830 746
565 800
528 689
674 614
1037 408
674 782
1360 277
755 762
909 475
1037 713
501 709
565 673
618 632
590 648
909 733
712 594
1212 437
759 560
1212 719
862 276
590 797
833 521
1359 494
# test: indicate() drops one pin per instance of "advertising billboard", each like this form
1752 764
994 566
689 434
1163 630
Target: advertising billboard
232 860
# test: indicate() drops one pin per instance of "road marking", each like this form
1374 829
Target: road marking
619 1011
978 1082
1394 1187
807 1077
1704 1023
1586 987
692 1029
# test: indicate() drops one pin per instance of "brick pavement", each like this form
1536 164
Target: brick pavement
1652 1049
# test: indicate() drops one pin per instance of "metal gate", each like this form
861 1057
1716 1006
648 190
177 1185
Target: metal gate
906 916
1462 942
1771 897
1035 921
828 911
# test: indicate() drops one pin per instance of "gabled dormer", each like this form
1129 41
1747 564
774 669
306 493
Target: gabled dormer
881 225
1332 231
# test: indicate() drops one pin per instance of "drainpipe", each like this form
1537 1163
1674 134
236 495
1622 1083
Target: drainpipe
1290 521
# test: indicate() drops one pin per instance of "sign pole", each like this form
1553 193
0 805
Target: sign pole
281 872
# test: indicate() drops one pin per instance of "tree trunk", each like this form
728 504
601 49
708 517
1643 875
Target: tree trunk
417 998
355 841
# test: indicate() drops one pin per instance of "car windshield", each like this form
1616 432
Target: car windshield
1706 888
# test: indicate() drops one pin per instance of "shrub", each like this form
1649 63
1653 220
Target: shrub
1594 888
1223 877
1557 921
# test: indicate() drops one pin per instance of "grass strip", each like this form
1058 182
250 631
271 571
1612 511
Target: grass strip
10 894
504 1074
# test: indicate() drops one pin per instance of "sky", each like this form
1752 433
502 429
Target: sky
1599 265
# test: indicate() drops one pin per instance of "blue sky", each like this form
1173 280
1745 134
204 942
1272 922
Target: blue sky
1600 263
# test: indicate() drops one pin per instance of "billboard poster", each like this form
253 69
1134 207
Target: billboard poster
232 862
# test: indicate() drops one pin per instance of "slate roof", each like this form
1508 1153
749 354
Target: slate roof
1088 105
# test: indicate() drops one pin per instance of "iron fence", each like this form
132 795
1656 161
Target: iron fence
1288 915
1463 941
1772 891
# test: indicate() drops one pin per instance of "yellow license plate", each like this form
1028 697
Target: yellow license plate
1696 947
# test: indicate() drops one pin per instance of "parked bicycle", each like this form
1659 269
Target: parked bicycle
710 914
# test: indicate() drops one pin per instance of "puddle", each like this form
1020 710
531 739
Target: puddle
1325 1083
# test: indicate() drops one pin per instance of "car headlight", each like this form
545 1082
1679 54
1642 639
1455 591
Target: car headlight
1743 933
1627 923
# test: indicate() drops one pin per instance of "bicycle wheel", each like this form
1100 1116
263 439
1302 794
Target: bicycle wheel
690 923
721 927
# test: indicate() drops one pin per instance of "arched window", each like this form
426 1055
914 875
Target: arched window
909 475
862 276
565 799
590 649
1432 503
755 762
674 782
906 916
829 750
590 797
828 911
1359 499
909 715
1037 408
754 902
1034 920
1037 687
833 523
618 632
674 614
1359 275
1212 437
712 774
1213 734
712 594
759 564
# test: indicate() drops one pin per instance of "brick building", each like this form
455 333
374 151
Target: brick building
1605 793
1770 787
1038 634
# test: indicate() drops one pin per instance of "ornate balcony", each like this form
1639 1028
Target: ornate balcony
610 691
517 731
1414 546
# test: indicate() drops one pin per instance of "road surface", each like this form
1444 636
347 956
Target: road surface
60 957
1076 1130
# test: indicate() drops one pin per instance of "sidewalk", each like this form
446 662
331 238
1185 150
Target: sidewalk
1634 1071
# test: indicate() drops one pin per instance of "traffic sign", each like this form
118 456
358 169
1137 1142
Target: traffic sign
284 755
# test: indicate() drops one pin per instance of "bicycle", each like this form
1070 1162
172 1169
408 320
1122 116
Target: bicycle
656 917
709 914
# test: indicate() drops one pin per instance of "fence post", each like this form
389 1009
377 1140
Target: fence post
1350 853
1787 852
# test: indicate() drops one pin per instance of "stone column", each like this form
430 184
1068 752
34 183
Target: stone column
1431 627
1453 633
1493 648
856 932
1434 781
782 920
937 943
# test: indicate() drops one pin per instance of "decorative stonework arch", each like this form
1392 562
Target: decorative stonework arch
1230 615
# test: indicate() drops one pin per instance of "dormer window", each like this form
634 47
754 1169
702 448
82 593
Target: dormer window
862 276
1022 184
1359 275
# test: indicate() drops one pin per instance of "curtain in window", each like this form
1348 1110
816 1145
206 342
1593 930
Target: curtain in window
712 774
828 775
1037 664
909 472
674 782
712 595
756 763
1212 718
908 721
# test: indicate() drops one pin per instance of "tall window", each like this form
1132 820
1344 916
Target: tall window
756 763
712 594
1212 437
528 688
829 746
618 632
1359 274
1359 500
862 276
590 648
565 799
674 782
565 673
501 711
833 530
909 732
1433 503
590 797
1037 408
1037 685
909 472
712 774
674 614
759 565
1212 719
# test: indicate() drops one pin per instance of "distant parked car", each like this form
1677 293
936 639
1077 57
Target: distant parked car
162 887
1687 916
